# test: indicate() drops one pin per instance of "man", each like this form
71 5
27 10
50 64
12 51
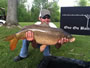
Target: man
44 17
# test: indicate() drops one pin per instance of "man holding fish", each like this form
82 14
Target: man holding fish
44 17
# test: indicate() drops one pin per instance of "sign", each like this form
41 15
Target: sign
76 20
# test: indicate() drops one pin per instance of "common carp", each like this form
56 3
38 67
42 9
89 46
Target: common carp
43 34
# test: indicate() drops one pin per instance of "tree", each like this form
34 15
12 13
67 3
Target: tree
11 18
3 3
3 8
88 2
54 9
23 13
82 2
44 4
36 7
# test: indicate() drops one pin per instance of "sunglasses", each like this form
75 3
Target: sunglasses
48 17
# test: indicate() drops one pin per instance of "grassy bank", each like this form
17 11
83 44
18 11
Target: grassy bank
80 49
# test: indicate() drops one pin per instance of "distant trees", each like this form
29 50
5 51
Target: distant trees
3 3
23 15
55 14
32 15
82 2
52 6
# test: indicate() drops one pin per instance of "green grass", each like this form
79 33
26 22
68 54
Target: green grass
80 49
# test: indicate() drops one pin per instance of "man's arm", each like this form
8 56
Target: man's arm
52 25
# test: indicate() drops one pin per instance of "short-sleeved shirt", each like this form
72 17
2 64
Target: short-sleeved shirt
50 24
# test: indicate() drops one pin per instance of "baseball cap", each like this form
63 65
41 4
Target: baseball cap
44 12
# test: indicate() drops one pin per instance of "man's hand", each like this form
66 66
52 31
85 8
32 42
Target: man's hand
29 35
63 40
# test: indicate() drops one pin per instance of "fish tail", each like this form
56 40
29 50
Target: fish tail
13 41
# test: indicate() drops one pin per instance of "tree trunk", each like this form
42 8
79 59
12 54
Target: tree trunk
11 18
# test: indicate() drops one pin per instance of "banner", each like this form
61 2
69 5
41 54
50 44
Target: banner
75 20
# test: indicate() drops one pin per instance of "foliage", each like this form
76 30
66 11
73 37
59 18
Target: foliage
3 4
32 15
88 2
82 2
55 14
44 4
22 13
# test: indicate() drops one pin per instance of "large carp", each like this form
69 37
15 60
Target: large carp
43 34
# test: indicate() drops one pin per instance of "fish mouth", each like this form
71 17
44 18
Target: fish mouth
72 40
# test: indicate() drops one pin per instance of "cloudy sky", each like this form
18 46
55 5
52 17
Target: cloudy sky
66 3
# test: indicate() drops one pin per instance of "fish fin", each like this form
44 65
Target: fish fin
72 40
58 46
34 44
10 37
42 48
13 43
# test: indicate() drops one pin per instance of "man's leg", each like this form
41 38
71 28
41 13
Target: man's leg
47 51
24 51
